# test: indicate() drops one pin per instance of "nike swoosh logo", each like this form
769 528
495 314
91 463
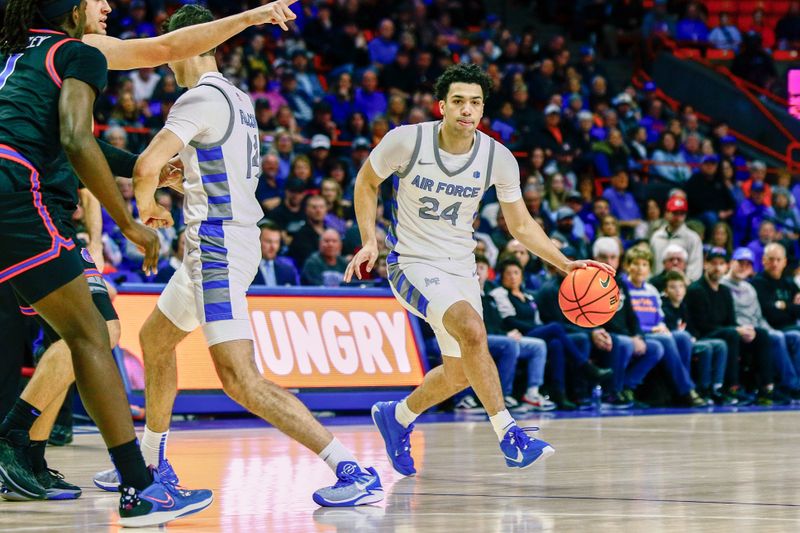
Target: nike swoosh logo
519 458
169 503
605 283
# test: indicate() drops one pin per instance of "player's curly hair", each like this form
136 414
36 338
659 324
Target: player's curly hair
462 73
188 15
21 16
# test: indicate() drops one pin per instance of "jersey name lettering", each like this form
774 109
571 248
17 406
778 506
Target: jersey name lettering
450 189
37 40
248 119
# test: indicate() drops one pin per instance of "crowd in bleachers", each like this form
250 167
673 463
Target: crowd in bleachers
611 172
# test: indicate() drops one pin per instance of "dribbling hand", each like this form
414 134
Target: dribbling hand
368 254
574 265
147 241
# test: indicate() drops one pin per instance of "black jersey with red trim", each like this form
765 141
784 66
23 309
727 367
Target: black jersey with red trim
30 86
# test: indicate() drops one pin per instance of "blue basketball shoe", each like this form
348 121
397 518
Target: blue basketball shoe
520 450
355 487
109 479
396 437
159 503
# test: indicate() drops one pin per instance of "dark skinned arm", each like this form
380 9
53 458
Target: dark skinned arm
75 117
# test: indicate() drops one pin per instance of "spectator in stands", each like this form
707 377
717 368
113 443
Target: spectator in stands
289 215
383 48
750 213
274 270
728 151
787 217
677 232
674 260
637 356
359 151
726 36
712 315
305 239
269 190
500 234
691 150
753 63
529 349
728 176
368 98
307 80
326 266
398 77
355 127
777 292
709 199
518 309
341 99
645 301
623 25
658 21
623 205
674 169
321 122
165 271
117 137
552 136
144 81
654 220
565 231
531 269
784 349
298 100
766 235
721 236
711 354
787 31
301 169
758 174
654 118
339 211
611 155
691 28
319 157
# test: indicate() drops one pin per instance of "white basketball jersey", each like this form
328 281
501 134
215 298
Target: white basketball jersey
221 176
433 208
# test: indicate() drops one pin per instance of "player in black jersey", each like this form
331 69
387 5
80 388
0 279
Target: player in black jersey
47 90
54 373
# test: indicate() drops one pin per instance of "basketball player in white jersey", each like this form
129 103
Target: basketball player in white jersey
441 172
213 129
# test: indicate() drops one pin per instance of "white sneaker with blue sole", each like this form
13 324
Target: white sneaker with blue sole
355 487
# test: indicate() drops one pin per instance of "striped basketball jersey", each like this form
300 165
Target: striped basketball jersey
221 157
436 195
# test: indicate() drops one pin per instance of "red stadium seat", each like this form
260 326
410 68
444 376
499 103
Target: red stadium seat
719 55
687 53
785 55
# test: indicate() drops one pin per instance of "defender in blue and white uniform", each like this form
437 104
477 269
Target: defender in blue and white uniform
441 171
213 129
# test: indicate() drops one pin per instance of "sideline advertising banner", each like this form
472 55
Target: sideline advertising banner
304 339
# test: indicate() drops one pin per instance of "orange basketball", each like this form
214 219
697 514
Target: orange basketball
588 297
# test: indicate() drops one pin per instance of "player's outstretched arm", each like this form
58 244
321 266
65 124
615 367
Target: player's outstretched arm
527 231
186 42
146 177
365 200
75 122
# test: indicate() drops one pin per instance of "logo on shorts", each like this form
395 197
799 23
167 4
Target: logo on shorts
431 281
86 255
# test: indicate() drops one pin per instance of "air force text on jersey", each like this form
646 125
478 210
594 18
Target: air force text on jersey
450 189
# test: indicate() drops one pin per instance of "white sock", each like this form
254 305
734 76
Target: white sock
404 415
334 453
532 392
502 422
154 446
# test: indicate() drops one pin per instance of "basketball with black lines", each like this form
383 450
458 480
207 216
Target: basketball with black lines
588 297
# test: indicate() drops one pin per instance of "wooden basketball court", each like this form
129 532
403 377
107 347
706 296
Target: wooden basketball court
681 473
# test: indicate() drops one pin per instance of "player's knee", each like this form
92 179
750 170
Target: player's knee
471 332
